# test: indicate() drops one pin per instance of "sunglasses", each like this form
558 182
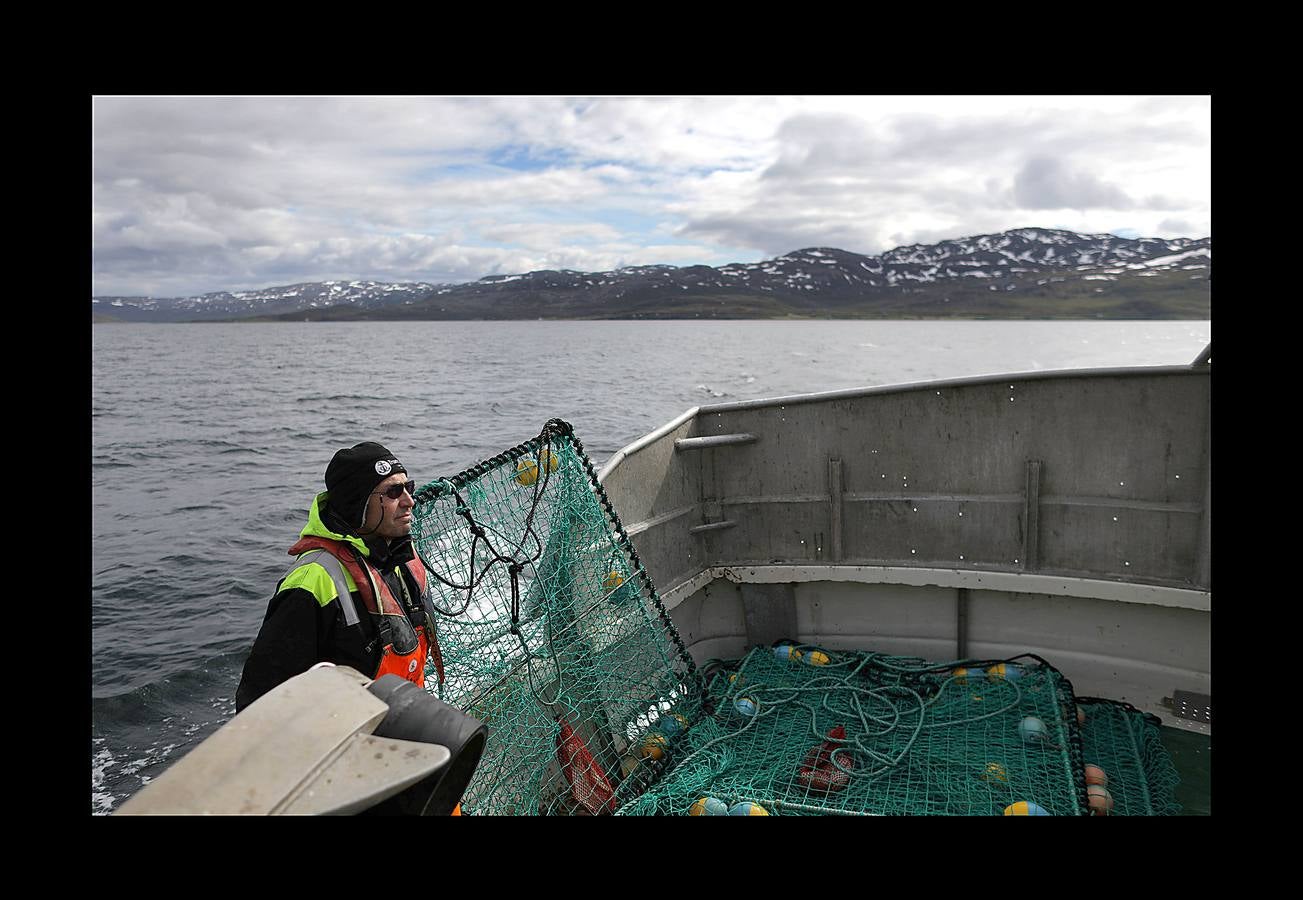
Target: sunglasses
394 491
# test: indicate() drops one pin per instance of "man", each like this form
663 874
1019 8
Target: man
356 596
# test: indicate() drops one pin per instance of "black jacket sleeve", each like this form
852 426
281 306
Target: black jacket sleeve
289 643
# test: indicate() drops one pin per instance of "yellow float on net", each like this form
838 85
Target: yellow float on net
613 580
527 468
653 745
708 806
817 658
1000 671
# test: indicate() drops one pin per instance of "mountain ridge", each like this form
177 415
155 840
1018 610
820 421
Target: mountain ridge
1020 273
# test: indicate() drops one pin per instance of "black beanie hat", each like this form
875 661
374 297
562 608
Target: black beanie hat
353 474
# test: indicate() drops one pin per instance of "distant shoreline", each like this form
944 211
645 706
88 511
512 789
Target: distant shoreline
104 320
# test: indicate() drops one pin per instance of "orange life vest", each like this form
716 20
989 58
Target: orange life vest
405 647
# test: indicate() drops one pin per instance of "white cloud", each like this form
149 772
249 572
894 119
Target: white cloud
543 235
1046 183
196 194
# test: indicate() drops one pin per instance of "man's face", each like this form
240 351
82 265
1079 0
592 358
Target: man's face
385 517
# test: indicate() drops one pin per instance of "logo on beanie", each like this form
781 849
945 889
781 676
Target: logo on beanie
383 467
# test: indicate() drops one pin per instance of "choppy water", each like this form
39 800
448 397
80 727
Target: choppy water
209 441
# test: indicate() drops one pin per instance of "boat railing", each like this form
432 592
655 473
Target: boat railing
1098 475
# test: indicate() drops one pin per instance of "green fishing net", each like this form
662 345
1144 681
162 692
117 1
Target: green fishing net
552 634
1126 744
549 629
802 730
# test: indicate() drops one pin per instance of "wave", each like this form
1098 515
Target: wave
183 559
136 735
342 398
174 687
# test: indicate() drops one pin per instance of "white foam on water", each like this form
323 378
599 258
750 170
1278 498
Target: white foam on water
101 800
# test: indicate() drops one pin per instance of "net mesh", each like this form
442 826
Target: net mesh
550 631
1127 745
804 730
552 634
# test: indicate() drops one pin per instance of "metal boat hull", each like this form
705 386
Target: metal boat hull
1064 514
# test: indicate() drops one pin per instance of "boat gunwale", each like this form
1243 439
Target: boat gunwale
961 381
1046 583
652 437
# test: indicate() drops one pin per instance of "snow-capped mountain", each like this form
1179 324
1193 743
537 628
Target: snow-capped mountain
293 298
1024 272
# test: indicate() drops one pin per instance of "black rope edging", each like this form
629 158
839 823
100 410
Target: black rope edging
1151 718
639 569
440 488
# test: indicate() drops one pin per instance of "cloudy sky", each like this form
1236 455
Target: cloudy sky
198 194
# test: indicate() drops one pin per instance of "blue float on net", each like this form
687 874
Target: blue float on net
746 706
708 806
787 651
1032 729
671 724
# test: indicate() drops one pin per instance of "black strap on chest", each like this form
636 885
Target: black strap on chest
335 569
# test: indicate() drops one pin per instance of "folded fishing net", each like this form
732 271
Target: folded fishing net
802 730
552 634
